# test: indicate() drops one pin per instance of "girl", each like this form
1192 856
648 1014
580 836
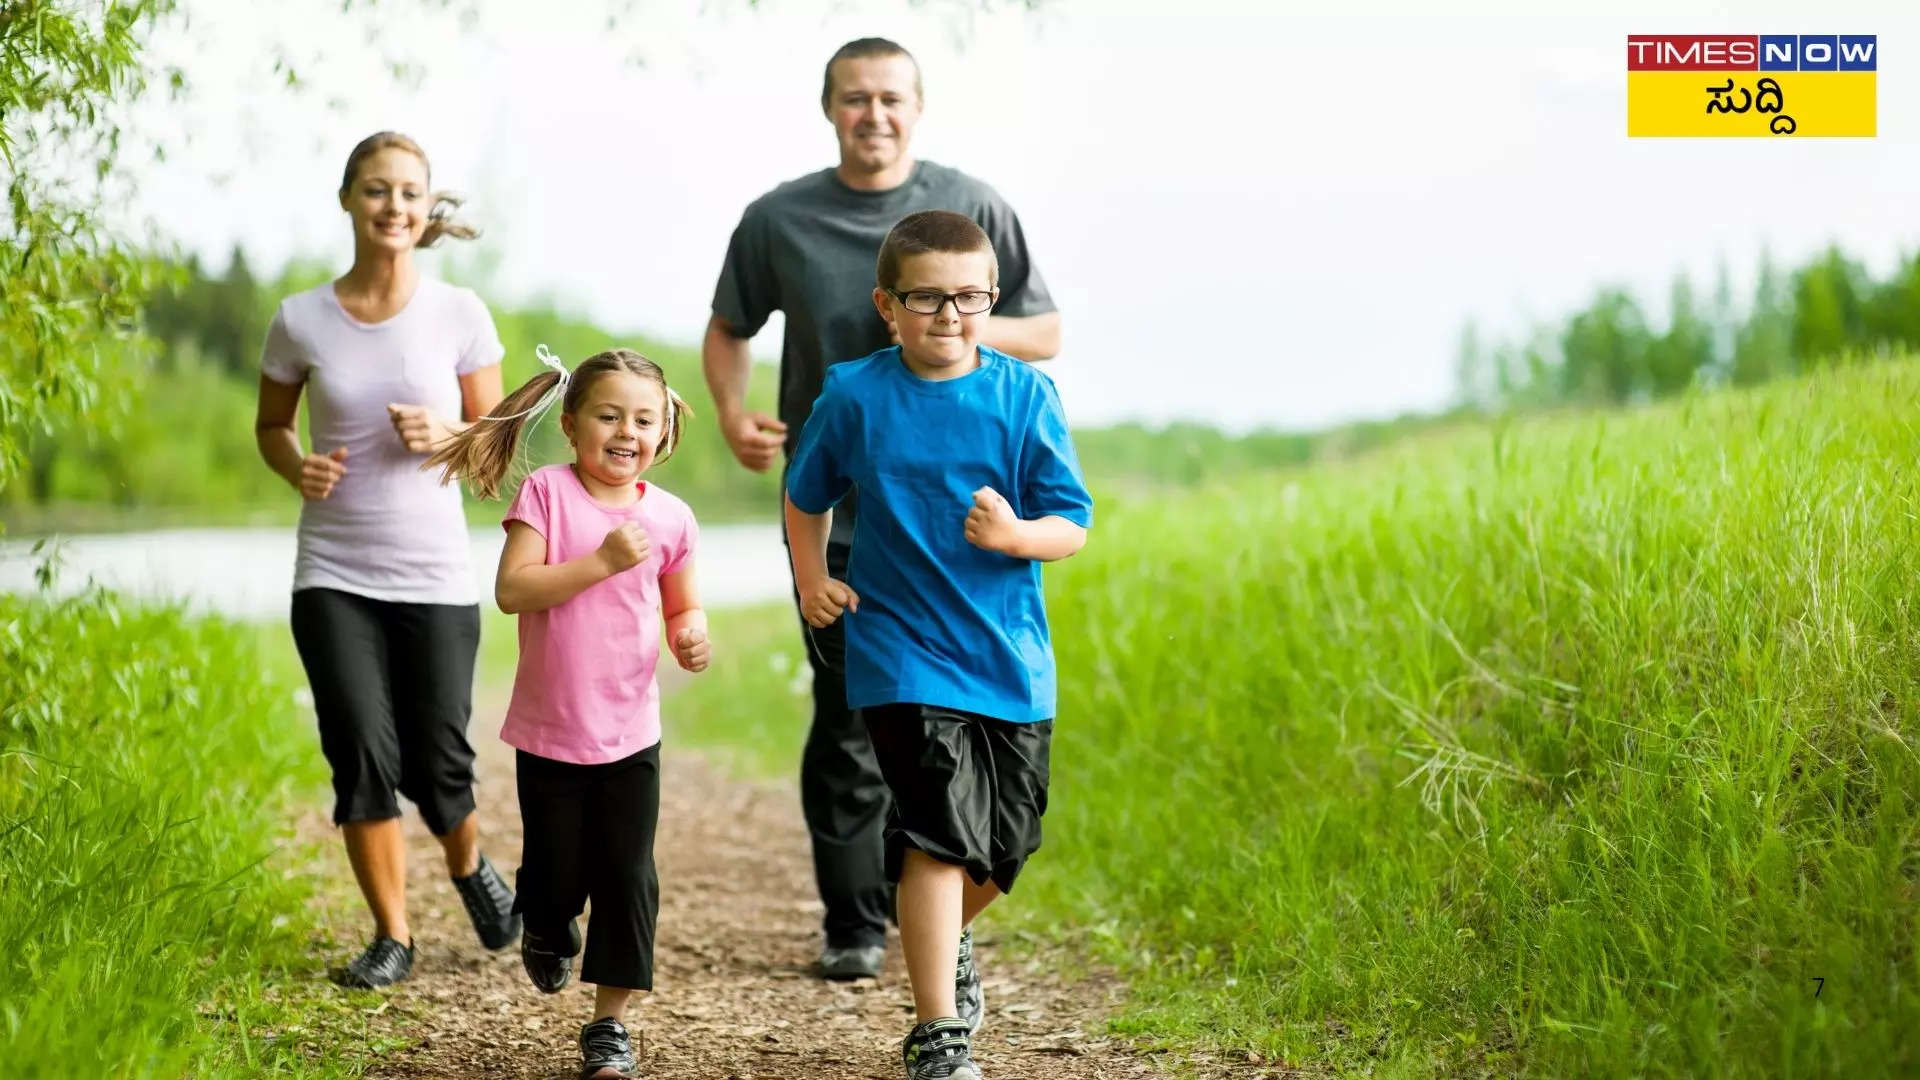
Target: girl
596 561
385 612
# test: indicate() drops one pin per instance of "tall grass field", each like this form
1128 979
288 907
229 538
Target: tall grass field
1580 745
151 924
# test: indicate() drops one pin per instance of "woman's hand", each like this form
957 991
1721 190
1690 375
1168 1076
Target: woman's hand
419 429
319 472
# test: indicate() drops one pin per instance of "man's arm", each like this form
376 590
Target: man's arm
725 358
1028 337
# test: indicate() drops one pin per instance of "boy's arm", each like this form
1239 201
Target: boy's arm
992 525
525 582
822 597
685 619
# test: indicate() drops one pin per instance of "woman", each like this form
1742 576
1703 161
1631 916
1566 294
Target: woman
385 610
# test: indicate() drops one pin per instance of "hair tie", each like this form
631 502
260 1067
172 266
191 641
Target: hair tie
553 394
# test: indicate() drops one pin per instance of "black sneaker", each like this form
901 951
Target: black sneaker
852 962
384 963
969 998
490 905
549 961
606 1053
939 1050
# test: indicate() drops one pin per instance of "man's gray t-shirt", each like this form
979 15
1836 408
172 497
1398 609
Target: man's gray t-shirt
808 247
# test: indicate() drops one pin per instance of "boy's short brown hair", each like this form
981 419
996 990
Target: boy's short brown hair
933 231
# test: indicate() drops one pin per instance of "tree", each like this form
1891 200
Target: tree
1827 312
70 287
1604 350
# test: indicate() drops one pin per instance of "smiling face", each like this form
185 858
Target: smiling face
874 104
945 343
388 200
616 430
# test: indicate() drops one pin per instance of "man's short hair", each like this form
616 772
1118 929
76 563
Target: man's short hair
933 231
866 48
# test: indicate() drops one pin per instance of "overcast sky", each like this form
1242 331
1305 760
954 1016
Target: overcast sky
1245 218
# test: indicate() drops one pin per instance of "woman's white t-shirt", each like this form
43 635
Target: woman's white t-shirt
388 531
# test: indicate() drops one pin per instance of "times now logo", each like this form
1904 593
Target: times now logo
1753 52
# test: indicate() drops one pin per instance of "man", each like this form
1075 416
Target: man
807 248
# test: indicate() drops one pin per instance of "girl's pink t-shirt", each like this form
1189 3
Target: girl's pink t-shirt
584 691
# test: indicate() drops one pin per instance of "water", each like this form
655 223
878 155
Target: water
248 573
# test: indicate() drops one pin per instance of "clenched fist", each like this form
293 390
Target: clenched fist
319 472
822 602
991 524
691 649
625 547
419 429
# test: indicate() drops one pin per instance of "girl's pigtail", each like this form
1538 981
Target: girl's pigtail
482 454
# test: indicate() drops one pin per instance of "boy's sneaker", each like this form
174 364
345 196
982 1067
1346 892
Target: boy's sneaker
854 962
969 998
549 961
606 1053
384 963
490 905
939 1050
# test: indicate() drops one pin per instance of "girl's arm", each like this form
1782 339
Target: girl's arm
686 620
526 583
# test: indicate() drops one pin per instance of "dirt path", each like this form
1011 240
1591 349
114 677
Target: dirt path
734 999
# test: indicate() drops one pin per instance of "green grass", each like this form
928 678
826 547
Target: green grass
1578 745
156 918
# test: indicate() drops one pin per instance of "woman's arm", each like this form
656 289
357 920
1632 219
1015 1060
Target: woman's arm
422 430
313 475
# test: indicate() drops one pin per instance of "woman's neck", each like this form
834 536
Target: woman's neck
381 275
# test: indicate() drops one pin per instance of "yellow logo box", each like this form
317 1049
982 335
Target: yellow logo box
1759 104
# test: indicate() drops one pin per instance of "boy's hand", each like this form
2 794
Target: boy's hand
319 472
991 524
822 602
691 649
417 427
624 548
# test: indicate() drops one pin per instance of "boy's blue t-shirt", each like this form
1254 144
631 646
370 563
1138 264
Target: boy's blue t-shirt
941 622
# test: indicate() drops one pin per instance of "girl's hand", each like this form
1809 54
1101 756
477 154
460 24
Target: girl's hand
822 602
625 547
319 472
991 524
691 649
419 429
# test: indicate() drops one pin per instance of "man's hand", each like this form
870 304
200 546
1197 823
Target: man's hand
991 524
755 438
691 649
624 548
822 601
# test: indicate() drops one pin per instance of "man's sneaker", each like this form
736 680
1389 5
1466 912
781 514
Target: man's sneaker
939 1050
384 963
490 905
969 998
855 962
606 1053
549 961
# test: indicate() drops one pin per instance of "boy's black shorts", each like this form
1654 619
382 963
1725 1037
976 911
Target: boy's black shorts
967 789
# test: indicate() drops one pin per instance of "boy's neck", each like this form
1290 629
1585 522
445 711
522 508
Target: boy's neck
940 373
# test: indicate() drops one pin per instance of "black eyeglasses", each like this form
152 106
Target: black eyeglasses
928 302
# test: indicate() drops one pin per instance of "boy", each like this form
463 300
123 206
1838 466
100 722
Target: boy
968 482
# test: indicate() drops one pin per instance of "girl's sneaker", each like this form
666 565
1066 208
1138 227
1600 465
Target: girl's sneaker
549 961
606 1052
489 904
969 996
939 1050
384 963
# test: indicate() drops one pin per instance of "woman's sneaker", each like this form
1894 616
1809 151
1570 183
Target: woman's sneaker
490 905
606 1052
384 963
969 997
939 1050
549 961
